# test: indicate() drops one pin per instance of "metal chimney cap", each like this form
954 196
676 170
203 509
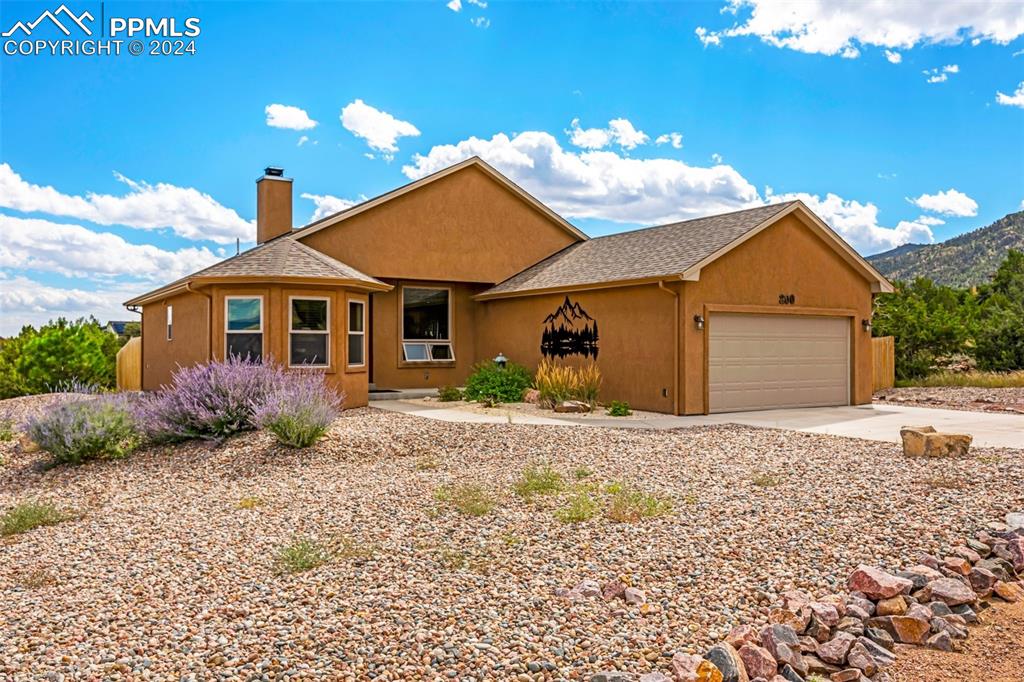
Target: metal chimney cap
274 171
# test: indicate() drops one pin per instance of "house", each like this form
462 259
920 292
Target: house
117 326
755 309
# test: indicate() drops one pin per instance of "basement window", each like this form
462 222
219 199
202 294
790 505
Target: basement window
309 336
426 325
243 327
170 322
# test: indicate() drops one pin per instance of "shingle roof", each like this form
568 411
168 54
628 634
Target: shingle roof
652 252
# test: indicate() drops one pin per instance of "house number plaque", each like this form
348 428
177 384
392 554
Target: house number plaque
787 299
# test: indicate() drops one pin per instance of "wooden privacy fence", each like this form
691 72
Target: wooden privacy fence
129 365
883 363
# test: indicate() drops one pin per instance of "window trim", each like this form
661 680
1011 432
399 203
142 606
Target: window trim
260 331
170 322
348 332
403 341
326 331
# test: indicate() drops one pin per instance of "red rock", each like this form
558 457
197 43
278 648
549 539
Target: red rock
941 641
893 606
919 611
951 591
834 651
848 675
743 634
957 565
795 599
826 613
902 628
613 589
757 661
690 668
1010 592
982 580
927 571
634 596
1016 550
782 643
836 601
967 553
876 583
859 657
785 616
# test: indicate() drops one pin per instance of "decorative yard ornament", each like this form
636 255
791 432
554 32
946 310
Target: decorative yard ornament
500 360
569 331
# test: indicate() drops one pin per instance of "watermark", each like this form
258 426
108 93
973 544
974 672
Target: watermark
67 32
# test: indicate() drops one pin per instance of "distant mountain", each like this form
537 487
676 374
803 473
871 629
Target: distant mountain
967 260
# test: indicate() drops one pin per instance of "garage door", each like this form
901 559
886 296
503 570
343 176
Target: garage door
760 362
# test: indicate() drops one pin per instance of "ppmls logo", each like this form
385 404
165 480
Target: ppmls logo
70 16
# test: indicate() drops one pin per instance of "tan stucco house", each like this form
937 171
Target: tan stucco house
760 308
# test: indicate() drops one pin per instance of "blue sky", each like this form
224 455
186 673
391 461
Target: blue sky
895 123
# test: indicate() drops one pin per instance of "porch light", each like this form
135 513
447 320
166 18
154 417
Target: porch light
866 324
500 360
698 321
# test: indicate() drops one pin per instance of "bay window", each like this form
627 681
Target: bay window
309 335
426 325
243 327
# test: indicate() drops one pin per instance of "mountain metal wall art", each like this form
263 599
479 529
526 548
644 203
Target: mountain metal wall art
569 331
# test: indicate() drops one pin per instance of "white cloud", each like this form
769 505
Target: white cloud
479 3
480 22
716 157
1014 100
25 301
185 210
302 140
74 251
619 131
328 205
380 129
455 5
599 184
285 116
893 56
675 139
858 224
838 27
951 203
929 220
938 75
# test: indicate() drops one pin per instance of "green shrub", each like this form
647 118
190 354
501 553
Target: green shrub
500 384
557 382
470 499
538 480
299 410
581 506
6 429
28 515
82 430
60 353
449 394
302 555
619 408
629 505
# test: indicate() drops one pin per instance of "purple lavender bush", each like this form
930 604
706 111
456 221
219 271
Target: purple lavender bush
300 410
81 430
211 401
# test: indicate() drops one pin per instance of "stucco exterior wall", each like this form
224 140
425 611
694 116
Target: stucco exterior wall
636 336
189 343
786 258
465 227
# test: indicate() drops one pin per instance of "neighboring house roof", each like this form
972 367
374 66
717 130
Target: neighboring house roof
676 250
395 193
274 260
117 326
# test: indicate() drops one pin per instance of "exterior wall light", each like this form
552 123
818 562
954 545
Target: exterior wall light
698 321
866 324
500 360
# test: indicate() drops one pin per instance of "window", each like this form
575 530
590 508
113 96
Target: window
426 325
170 322
356 333
309 335
243 327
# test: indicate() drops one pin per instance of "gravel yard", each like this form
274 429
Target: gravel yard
162 574
957 398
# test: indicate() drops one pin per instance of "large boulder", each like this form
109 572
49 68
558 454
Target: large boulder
876 584
690 668
757 661
727 660
903 629
1011 592
951 591
834 651
924 441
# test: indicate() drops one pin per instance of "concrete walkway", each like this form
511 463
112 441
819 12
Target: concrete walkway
871 422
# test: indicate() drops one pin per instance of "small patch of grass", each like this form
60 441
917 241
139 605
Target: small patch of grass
691 499
511 539
582 472
250 503
765 480
619 408
989 459
6 429
974 378
629 505
946 482
538 480
427 463
449 394
302 555
451 559
28 515
581 506
347 547
470 499
36 578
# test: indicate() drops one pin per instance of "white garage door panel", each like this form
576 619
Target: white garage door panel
760 362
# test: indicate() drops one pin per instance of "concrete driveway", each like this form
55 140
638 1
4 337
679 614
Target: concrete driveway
871 422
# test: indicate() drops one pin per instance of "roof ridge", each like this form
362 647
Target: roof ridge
780 207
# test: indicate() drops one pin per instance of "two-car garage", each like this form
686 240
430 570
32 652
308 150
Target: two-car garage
760 362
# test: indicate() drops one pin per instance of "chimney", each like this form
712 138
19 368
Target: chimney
273 205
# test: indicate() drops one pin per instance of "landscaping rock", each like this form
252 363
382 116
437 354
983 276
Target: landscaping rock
572 407
957 564
862 603
941 641
893 606
982 580
966 612
859 657
1016 551
690 668
826 613
613 676
848 675
728 662
924 441
902 628
834 651
952 592
880 637
816 666
1001 568
1015 520
655 677
882 656
743 634
943 625
613 589
876 583
757 661
586 589
851 625
796 620
634 596
1011 592
980 547
967 553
